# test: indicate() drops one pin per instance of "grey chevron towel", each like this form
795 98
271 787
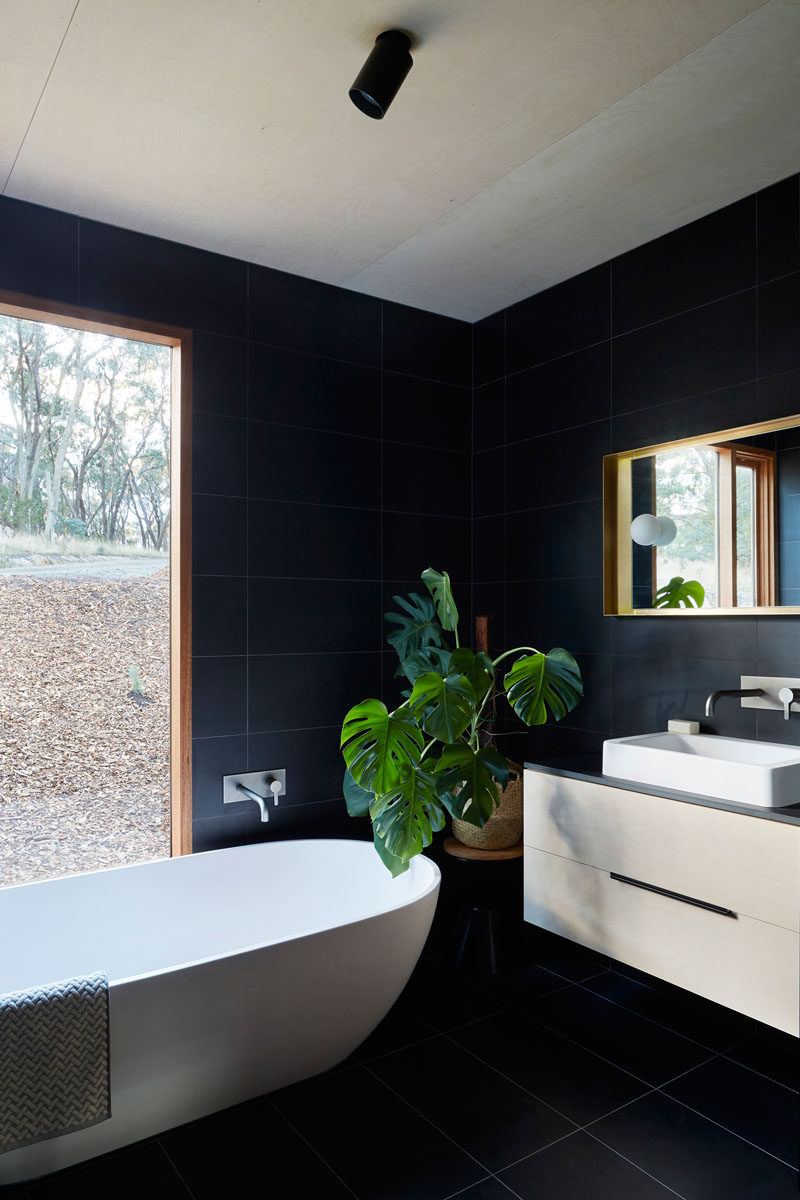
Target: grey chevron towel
54 1063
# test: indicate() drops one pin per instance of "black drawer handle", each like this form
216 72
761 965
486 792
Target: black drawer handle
651 887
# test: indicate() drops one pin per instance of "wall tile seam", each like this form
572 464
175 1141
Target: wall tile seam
298 654
429 516
752 380
365 364
319 504
537 437
558 504
375 439
637 328
556 358
674 316
286 803
317 356
513 579
665 656
371 580
361 508
466 454
765 283
448 383
290 729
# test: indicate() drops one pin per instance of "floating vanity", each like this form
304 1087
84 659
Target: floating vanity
700 892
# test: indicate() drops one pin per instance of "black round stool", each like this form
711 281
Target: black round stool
488 906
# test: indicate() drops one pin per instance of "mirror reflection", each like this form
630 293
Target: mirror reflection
711 524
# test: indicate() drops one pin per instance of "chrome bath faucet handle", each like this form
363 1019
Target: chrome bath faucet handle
788 696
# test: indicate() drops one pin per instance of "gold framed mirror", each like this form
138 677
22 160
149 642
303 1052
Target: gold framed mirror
705 526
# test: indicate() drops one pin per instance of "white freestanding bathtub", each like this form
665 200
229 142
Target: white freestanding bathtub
231 973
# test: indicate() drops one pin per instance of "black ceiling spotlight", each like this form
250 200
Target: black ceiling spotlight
378 81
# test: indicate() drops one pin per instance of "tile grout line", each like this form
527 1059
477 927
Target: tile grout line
652 1021
311 1147
761 1074
468 1189
719 1125
169 1159
427 1120
636 1165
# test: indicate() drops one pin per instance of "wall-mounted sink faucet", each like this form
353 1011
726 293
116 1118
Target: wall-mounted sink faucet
778 693
711 702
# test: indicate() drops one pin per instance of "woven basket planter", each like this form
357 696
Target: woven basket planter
504 827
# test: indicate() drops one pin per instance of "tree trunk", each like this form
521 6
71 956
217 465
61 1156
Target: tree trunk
58 466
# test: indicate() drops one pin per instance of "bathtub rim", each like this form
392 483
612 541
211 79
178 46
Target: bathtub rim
429 866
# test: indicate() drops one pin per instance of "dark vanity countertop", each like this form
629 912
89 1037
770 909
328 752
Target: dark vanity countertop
588 767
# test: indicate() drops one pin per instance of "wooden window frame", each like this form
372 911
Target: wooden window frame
731 455
53 312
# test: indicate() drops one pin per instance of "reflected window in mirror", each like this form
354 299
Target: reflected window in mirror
708 524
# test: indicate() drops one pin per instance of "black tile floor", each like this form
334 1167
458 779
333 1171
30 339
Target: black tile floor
562 1078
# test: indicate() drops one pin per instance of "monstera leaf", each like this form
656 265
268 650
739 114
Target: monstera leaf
356 798
438 584
478 668
396 865
443 707
432 658
379 746
679 591
406 817
417 625
475 773
539 684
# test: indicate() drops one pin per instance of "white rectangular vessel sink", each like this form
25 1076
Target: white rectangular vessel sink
764 774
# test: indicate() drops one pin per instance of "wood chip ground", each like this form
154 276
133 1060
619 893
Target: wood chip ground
84 766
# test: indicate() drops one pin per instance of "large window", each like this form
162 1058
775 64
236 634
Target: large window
94 576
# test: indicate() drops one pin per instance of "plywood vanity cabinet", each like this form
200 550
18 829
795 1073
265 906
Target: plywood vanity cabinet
700 896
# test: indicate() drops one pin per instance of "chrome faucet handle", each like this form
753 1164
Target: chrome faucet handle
276 787
788 696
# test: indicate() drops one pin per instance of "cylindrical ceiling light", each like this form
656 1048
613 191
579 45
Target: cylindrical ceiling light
379 80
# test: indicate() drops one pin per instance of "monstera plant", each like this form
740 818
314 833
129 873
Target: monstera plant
680 592
434 754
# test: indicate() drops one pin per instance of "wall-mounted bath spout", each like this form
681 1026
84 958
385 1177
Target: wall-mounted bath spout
258 786
711 702
260 800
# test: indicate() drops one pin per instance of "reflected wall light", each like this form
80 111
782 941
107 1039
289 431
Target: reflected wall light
378 81
647 530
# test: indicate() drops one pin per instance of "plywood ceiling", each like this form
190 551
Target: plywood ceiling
531 140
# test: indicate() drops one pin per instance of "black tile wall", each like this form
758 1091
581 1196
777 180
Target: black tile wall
331 446
39 251
696 331
779 229
140 276
426 345
339 447
704 261
302 314
568 317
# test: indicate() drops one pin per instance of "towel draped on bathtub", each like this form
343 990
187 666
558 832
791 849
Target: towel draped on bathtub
54 1060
